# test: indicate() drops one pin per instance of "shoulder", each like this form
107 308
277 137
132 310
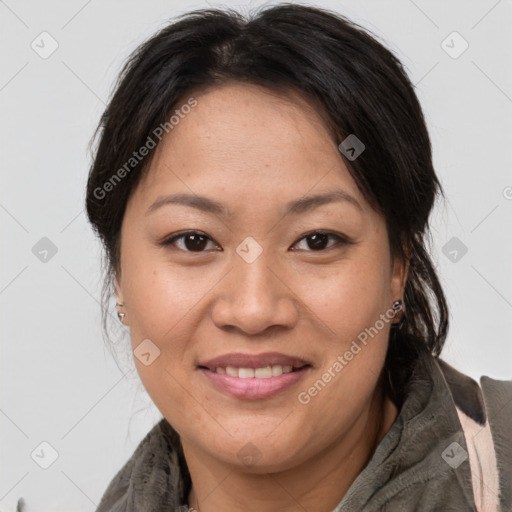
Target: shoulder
490 400
485 415
498 396
498 403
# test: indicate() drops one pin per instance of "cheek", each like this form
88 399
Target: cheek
158 294
350 303
160 305
350 298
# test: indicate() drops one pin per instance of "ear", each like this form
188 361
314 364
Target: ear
400 271
117 288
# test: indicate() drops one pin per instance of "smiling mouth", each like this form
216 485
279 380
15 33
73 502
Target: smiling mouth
264 372
259 383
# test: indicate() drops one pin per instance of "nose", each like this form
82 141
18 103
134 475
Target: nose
254 298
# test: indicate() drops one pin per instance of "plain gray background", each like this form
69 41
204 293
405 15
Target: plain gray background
59 384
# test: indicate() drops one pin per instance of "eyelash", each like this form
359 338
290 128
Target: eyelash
340 239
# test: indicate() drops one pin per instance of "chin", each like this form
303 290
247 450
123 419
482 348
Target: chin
254 451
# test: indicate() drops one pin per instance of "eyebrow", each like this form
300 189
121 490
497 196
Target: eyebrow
295 207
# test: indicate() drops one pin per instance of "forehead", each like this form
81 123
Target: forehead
253 118
244 139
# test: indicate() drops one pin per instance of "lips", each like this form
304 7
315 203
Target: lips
240 360
254 376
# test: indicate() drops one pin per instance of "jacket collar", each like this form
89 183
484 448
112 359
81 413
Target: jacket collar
423 457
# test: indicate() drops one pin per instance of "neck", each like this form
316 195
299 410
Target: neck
318 484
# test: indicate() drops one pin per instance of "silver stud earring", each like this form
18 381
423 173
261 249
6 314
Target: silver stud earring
397 306
120 315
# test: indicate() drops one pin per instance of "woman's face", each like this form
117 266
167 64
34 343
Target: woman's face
256 288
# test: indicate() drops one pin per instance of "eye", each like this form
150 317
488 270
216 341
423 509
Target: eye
191 241
318 240
197 241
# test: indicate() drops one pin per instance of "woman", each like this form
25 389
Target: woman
262 189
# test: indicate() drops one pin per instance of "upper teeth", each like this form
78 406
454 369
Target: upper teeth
260 373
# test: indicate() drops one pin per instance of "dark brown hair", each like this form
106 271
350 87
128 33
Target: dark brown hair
359 87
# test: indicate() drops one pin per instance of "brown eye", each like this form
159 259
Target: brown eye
195 242
191 241
318 240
